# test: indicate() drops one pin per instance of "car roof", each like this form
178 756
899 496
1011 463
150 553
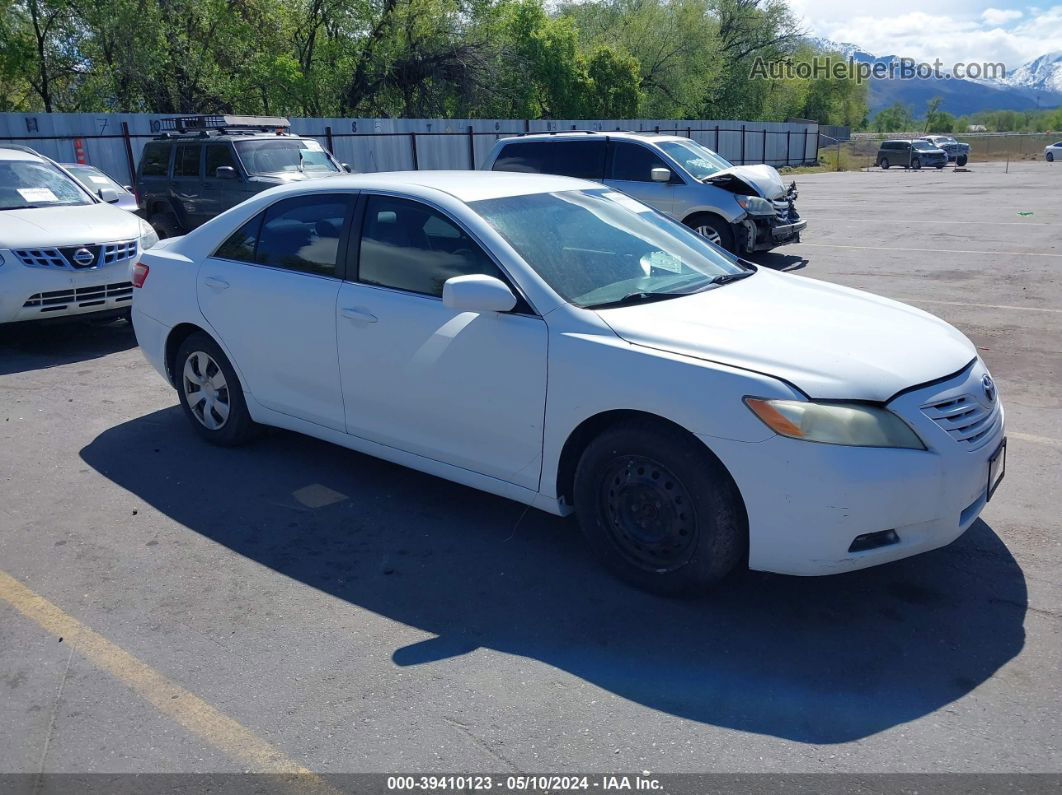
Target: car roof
590 135
198 136
466 186
18 154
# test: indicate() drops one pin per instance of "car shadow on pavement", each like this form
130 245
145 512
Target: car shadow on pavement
36 346
817 660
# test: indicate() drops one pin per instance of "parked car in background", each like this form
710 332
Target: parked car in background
95 181
740 208
1052 151
203 165
63 250
910 154
957 153
562 344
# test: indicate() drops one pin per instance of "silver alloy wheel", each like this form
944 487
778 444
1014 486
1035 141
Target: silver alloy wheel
709 232
206 390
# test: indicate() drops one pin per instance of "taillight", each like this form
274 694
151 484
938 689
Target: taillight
140 274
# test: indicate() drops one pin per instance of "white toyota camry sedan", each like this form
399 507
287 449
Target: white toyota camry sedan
558 343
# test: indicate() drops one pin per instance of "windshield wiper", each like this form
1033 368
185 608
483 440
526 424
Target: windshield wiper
640 297
726 278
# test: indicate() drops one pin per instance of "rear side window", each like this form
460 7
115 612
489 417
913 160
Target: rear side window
186 163
218 155
240 246
581 159
409 246
303 233
635 163
155 160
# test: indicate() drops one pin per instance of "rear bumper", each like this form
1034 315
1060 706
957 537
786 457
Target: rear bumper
151 336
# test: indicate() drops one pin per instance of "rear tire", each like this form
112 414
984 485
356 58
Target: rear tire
916 164
1050 157
210 393
165 225
885 163
940 167
715 229
660 511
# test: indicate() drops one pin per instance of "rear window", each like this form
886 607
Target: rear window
580 159
155 160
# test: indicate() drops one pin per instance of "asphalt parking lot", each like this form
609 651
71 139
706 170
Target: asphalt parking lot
294 605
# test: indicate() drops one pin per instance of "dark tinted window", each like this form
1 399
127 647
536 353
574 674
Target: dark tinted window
409 246
302 234
218 155
634 162
582 159
155 160
241 245
187 162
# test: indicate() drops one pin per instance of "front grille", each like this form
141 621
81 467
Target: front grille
785 211
81 297
65 258
965 418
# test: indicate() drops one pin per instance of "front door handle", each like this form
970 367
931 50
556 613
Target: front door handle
216 283
359 316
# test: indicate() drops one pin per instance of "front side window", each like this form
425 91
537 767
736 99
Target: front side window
409 246
598 247
634 163
187 162
35 183
700 161
923 145
218 155
284 156
303 233
94 179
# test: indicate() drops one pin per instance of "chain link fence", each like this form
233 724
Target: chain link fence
997 149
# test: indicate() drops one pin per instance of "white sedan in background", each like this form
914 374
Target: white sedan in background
558 343
1053 151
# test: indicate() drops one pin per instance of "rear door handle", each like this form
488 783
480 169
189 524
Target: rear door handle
359 316
216 283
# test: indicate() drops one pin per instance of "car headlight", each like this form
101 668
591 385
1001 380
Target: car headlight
855 424
148 236
754 205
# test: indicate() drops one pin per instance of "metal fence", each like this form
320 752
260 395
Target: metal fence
113 142
861 151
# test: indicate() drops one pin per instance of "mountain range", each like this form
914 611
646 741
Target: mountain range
1036 84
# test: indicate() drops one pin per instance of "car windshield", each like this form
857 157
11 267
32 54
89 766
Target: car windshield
924 145
699 160
599 247
283 156
94 179
34 183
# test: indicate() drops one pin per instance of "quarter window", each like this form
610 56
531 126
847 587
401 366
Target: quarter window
240 246
155 161
187 162
635 163
406 245
303 233
581 159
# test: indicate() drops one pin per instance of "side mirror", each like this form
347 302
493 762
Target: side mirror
108 195
127 188
477 293
660 175
225 172
347 168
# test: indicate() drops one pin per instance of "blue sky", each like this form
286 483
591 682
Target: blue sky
952 30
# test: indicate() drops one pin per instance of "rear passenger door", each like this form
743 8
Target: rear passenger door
269 292
629 170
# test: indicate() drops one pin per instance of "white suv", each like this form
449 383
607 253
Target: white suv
63 251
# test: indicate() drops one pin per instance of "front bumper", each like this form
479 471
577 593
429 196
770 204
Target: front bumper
28 293
808 502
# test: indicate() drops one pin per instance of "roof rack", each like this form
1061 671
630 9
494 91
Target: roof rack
222 124
586 132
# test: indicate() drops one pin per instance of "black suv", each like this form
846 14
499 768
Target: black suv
201 166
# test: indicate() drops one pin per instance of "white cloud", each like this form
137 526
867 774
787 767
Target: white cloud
951 32
1001 16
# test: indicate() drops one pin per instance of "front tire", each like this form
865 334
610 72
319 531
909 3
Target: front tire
961 160
885 163
1050 157
715 229
916 164
210 393
659 509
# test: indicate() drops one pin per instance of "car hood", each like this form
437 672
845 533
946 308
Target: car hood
831 342
764 179
66 226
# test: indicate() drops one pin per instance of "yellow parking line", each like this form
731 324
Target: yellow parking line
190 711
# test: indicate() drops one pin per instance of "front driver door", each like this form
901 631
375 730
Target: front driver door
270 292
464 388
630 169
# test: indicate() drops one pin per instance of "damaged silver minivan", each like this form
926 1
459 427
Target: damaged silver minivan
741 208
